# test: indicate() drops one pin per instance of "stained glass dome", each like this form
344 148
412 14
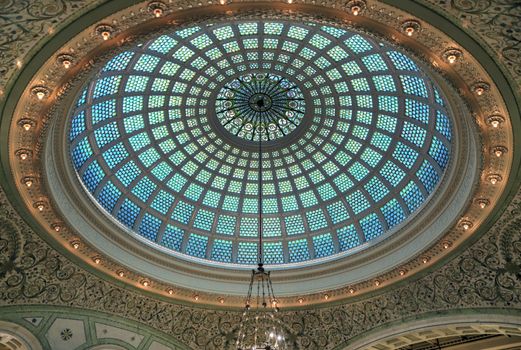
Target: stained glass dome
365 144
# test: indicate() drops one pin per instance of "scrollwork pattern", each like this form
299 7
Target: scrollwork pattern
496 22
486 274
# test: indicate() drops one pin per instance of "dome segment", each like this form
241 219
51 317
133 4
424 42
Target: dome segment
370 141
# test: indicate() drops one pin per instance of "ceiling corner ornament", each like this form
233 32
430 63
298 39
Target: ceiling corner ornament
41 99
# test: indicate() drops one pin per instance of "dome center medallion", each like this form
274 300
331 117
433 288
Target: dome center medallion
260 104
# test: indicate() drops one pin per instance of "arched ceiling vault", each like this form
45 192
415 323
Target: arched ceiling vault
484 272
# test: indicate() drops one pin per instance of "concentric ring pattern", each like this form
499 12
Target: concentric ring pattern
260 106
375 142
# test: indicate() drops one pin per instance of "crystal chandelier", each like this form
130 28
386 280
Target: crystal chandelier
260 328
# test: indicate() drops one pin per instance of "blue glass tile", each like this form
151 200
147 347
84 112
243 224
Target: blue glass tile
196 245
172 237
347 237
323 245
149 227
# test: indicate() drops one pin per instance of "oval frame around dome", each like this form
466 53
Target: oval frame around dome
41 206
121 197
328 273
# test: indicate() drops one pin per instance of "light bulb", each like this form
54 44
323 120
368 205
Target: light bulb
105 35
66 64
158 12
409 31
452 58
76 245
355 10
27 126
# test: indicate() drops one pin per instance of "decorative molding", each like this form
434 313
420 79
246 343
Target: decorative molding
487 274
134 25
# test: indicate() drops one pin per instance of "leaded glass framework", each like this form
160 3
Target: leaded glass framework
373 141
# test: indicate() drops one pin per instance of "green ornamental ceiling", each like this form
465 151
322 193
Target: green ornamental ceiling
165 139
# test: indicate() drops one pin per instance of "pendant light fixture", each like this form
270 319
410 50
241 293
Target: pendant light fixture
260 327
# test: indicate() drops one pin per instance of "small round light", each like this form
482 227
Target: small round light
23 155
65 60
402 272
446 245
326 296
40 92
39 205
221 300
377 283
28 181
452 55
121 273
480 88
196 297
105 31
465 224
355 10
170 291
494 178
26 124
97 260
145 283
75 244
300 300
425 259
56 227
495 120
351 291
482 202
411 27
498 151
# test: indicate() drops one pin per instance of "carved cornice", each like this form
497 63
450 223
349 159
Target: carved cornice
487 274
380 20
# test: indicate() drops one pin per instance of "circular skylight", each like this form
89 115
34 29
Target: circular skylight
366 145
255 105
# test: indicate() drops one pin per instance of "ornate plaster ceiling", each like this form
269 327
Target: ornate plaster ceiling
482 274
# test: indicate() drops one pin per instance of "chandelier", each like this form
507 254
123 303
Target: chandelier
260 328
